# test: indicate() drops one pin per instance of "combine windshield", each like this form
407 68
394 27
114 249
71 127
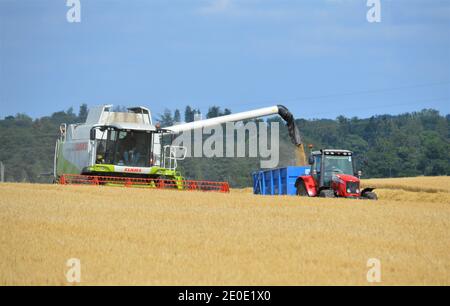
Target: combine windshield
337 165
125 148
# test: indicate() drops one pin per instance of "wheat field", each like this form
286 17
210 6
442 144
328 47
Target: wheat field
125 236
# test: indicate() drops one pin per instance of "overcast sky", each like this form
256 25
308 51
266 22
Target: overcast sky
320 58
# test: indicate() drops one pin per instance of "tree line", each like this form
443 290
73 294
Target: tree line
410 144
169 118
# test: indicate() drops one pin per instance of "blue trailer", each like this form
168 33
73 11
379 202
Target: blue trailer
279 181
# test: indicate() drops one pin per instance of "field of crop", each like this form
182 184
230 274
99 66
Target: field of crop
135 236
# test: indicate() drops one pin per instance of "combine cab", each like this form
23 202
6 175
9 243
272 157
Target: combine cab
333 175
115 144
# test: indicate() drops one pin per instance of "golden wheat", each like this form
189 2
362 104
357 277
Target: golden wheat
415 184
135 236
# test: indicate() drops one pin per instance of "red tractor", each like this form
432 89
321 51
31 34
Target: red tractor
333 175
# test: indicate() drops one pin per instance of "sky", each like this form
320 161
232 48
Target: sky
319 58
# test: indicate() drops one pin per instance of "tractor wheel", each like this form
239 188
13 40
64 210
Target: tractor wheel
370 196
301 190
327 193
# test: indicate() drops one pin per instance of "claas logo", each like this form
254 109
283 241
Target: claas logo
135 170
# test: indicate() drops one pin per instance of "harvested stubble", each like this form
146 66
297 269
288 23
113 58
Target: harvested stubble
135 236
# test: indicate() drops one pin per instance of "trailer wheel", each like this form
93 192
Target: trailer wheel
370 195
301 190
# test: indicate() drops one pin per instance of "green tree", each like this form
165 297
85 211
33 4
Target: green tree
83 113
177 116
213 112
166 118
189 114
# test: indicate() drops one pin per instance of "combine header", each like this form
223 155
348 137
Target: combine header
70 179
126 149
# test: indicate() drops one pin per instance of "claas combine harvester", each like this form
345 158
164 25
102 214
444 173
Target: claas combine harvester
127 149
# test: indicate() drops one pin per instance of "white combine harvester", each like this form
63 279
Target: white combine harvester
125 148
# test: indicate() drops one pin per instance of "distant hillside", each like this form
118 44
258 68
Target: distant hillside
410 144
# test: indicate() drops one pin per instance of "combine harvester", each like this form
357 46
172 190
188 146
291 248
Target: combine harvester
126 149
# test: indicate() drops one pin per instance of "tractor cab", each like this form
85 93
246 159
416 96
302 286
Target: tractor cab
326 164
333 174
